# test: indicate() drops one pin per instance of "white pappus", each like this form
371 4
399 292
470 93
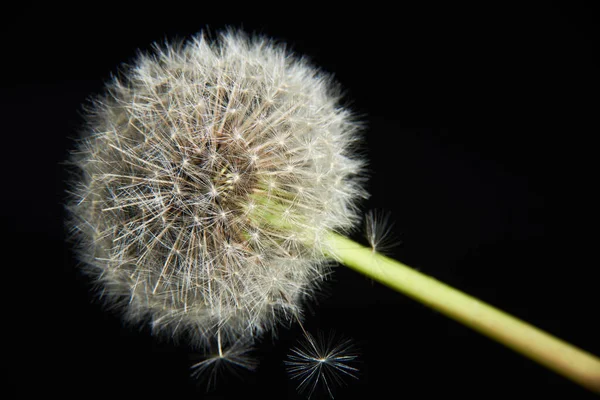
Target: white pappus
207 176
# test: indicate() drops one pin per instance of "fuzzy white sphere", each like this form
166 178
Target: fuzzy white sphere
211 172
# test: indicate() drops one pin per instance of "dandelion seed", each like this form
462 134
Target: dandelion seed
322 361
234 359
378 231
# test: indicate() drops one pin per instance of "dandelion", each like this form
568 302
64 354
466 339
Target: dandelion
215 184
322 361
210 173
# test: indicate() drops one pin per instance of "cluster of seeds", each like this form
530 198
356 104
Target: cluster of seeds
210 173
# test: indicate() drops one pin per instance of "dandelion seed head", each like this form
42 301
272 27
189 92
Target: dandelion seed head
209 173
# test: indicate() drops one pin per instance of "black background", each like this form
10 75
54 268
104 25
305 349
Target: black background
476 119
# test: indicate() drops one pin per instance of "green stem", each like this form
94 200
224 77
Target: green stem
555 354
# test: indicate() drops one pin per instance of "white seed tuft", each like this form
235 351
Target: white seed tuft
321 361
378 231
237 357
210 171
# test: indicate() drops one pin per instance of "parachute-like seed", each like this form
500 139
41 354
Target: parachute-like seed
233 359
321 361
207 177
378 231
